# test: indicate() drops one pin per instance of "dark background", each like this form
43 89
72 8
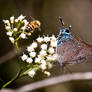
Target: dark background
78 13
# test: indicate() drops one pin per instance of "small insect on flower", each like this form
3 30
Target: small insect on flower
32 25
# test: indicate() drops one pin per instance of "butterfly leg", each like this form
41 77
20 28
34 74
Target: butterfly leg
64 68
68 69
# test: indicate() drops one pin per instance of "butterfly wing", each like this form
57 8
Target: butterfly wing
73 51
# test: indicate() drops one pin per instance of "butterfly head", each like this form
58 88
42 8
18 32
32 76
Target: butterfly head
65 33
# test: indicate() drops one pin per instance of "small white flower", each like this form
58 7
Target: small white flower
32 54
22 35
30 49
29 60
8 28
44 46
37 60
43 66
21 17
47 73
12 19
46 39
11 39
43 53
49 65
16 20
41 56
9 33
34 44
53 38
49 57
54 57
39 39
25 22
15 29
6 22
43 62
23 28
32 73
53 43
51 50
24 57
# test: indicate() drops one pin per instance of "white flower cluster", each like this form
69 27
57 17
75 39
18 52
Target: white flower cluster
41 52
16 27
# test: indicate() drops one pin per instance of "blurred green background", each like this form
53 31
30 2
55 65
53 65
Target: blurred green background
78 13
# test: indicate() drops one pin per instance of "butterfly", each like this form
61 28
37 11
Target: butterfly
70 49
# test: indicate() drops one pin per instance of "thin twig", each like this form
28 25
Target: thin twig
53 81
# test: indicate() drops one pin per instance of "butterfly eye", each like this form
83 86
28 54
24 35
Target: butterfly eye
67 31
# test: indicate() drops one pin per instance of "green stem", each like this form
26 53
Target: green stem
18 26
13 79
19 59
26 72
16 44
18 74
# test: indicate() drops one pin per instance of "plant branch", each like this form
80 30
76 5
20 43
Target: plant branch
18 74
16 44
9 82
53 81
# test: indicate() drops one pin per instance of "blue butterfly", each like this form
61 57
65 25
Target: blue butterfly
71 50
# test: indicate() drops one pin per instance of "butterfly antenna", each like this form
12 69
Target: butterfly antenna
62 22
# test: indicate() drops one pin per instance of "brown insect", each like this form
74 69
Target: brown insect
33 24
